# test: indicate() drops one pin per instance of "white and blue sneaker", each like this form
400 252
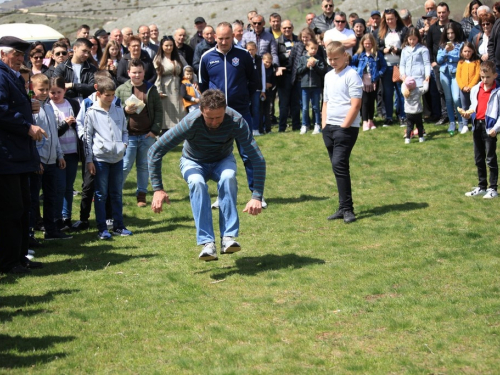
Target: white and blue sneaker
209 252
122 232
104 235
229 245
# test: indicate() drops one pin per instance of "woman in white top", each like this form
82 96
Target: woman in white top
481 39
390 36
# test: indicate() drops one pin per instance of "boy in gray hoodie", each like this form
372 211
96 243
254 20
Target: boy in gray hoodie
51 157
105 142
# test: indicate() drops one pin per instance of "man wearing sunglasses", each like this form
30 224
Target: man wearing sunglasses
263 39
59 56
324 21
341 33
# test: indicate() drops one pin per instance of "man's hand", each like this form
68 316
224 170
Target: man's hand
68 85
150 135
130 109
40 171
62 163
37 133
253 207
91 168
159 197
35 106
279 71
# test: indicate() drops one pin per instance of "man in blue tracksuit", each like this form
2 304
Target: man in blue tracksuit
230 69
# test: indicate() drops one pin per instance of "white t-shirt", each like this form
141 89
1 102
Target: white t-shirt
68 139
339 89
333 35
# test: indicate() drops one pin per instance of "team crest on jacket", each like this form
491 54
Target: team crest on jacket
235 61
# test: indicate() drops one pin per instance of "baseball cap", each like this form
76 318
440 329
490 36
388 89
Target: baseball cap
431 14
375 13
199 20
100 32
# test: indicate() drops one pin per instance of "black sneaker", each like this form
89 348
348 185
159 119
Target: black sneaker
388 122
34 243
442 121
57 236
17 270
349 217
337 215
65 224
30 264
80 225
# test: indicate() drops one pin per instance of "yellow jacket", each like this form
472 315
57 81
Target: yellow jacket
467 73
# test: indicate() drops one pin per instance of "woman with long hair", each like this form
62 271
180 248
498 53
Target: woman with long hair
111 57
390 37
470 17
169 64
95 52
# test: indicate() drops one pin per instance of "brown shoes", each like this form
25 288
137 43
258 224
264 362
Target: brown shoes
141 200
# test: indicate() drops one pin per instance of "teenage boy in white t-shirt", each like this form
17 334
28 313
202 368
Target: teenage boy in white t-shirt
340 122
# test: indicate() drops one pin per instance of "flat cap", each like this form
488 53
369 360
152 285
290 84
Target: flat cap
431 14
100 32
16 43
199 20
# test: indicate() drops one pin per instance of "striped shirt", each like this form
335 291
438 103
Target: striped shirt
208 146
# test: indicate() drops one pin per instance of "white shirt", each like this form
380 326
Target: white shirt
333 35
338 91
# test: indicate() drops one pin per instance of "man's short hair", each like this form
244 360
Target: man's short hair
40 78
59 44
82 41
222 24
81 27
250 43
488 67
212 99
101 75
106 84
135 38
135 63
274 15
443 4
353 15
340 14
404 14
486 8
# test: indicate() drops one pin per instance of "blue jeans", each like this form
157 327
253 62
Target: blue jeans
312 94
451 94
65 180
224 173
137 150
391 88
108 177
255 109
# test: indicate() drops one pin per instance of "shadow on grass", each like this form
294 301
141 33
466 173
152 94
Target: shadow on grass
27 346
382 210
251 266
301 198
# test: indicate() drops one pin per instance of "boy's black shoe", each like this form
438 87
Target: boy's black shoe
337 215
31 265
80 225
64 224
57 236
349 217
34 243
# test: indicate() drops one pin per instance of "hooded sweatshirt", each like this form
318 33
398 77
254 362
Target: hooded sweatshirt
106 135
48 148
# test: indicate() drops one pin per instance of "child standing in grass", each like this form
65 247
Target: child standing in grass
267 60
414 107
340 121
467 76
106 138
485 102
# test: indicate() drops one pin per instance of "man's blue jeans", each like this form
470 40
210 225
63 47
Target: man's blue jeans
65 180
137 151
108 178
197 175
312 94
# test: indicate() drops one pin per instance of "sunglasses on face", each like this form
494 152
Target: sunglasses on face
389 11
63 53
38 57
340 21
287 28
257 23
328 5
486 24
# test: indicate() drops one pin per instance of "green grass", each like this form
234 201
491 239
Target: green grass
411 287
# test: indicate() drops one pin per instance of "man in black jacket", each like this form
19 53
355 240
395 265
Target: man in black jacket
324 21
202 47
18 158
77 72
433 38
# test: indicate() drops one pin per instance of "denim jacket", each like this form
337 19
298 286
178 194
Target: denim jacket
377 66
448 60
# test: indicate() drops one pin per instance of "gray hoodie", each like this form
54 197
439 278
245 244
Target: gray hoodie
48 148
106 134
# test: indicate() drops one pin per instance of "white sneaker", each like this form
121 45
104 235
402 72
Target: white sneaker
256 133
317 129
31 252
490 194
465 129
229 245
264 204
215 205
475 192
421 139
30 257
303 129
407 141
209 252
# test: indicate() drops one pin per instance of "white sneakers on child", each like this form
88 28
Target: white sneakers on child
465 129
317 129
303 129
475 192
490 194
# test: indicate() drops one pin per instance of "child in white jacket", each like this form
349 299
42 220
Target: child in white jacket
413 107
106 138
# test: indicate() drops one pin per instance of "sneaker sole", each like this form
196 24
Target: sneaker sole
208 258
121 235
57 239
104 238
231 249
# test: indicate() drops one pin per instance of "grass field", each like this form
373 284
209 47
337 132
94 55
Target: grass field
412 287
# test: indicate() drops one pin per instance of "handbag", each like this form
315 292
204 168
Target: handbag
396 76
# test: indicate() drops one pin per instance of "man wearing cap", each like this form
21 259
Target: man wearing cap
146 45
103 38
374 20
18 158
324 21
429 6
199 24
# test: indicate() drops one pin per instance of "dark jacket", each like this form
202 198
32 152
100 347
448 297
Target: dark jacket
122 70
297 51
467 24
155 108
322 23
401 31
187 52
195 40
282 55
86 85
433 39
494 44
200 49
18 153
311 77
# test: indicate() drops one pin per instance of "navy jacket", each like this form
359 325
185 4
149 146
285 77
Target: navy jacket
233 74
18 153
200 49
